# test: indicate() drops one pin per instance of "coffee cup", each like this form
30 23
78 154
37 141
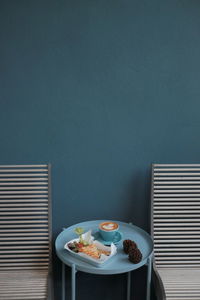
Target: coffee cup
108 230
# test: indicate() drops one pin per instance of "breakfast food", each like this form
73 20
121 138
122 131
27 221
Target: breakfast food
90 250
128 245
108 226
107 253
135 256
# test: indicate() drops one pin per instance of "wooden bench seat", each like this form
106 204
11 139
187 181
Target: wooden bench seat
28 284
181 283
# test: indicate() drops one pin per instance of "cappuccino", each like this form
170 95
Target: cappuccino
108 226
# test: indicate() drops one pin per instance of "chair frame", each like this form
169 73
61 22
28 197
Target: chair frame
14 186
50 292
158 283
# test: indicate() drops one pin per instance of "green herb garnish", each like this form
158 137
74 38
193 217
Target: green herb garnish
79 231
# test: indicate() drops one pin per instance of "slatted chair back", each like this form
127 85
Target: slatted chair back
176 215
25 225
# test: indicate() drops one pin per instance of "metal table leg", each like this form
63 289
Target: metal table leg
73 282
128 285
149 269
63 281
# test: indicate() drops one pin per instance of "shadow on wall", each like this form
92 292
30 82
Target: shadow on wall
137 199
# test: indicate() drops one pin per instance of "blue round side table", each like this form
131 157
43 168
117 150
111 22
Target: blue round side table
118 264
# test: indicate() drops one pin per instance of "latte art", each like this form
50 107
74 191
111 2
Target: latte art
109 226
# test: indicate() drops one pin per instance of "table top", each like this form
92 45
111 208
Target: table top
119 263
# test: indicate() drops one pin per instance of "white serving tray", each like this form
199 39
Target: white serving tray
86 258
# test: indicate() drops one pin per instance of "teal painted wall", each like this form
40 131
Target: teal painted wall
101 89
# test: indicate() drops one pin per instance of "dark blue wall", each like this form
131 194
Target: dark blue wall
100 89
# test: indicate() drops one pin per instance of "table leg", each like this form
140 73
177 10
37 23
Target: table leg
149 269
63 281
73 282
128 285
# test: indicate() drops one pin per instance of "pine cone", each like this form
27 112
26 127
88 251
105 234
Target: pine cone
128 245
135 256
132 246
